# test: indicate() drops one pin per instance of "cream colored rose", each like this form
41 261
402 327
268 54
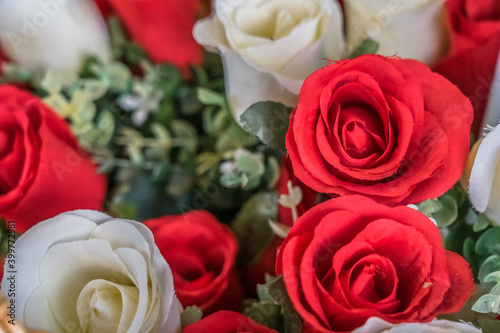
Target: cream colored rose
56 34
412 29
484 181
377 325
269 47
84 271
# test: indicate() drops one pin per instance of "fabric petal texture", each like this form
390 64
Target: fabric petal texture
350 258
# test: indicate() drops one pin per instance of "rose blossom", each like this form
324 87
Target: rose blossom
201 252
54 34
227 322
386 128
351 258
163 28
85 271
270 46
475 48
377 325
412 29
483 175
43 170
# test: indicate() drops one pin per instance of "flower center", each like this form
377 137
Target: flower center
368 283
361 133
274 19
104 306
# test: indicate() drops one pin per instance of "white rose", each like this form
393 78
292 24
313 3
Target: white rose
55 34
269 47
484 182
407 28
84 271
377 325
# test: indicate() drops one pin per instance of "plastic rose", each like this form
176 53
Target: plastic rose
55 34
377 325
412 29
84 271
201 252
350 258
484 181
387 128
269 47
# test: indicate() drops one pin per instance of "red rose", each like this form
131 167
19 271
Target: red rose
43 170
475 47
227 322
351 258
164 28
201 252
386 128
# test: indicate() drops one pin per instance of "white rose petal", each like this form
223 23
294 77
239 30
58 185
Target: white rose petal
269 47
377 325
484 183
412 29
84 271
57 34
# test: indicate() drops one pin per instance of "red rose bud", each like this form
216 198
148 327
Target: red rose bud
227 322
387 128
351 258
201 252
163 28
475 47
43 170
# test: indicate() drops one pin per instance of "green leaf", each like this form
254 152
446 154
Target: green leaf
489 325
251 224
368 46
481 223
447 213
278 292
209 97
489 242
269 122
232 138
266 313
490 265
191 315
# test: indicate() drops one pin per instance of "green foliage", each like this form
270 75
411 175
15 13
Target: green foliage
269 122
274 307
191 315
251 226
368 46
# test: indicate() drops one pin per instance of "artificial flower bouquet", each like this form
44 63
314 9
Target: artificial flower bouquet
250 166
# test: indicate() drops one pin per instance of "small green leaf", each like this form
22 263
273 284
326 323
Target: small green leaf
251 224
278 292
447 213
489 325
209 97
481 223
269 122
266 313
368 46
191 315
490 265
489 242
